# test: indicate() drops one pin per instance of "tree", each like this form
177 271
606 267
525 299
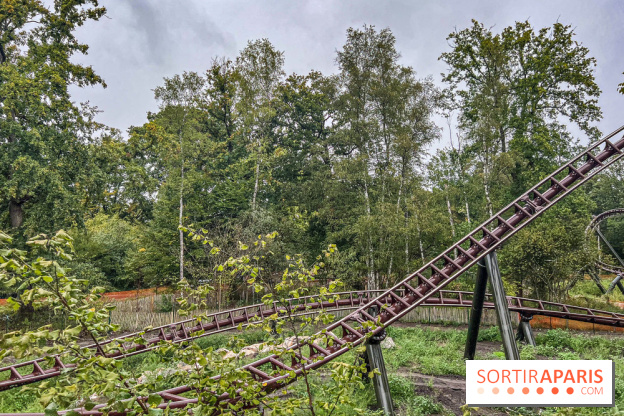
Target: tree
42 132
541 260
383 117
179 96
515 89
260 70
97 379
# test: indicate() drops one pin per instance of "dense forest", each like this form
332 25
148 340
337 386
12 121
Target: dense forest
354 158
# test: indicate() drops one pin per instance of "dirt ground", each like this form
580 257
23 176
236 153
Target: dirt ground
450 391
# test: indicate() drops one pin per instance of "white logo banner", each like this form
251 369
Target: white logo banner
562 383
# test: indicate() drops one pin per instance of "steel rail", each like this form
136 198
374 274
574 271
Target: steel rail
185 330
524 306
351 300
593 226
429 279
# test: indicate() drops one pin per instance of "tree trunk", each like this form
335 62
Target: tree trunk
450 212
420 243
486 189
372 281
16 214
406 241
256 185
181 213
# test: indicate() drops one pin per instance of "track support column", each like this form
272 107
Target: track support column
476 311
616 282
594 275
374 360
502 310
380 381
525 332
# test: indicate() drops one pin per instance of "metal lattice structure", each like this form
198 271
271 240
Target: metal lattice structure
594 226
429 280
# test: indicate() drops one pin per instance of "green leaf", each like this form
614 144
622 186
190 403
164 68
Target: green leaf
51 410
154 400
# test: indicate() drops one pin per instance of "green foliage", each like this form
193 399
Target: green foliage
542 260
489 334
103 248
401 388
43 281
528 352
423 406
44 133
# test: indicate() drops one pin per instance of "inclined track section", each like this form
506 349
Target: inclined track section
273 373
524 306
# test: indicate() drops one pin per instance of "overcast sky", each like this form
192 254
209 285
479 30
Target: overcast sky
142 41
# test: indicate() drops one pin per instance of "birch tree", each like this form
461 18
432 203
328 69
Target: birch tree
180 94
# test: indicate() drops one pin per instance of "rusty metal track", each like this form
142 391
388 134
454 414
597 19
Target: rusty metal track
531 307
347 301
182 331
444 298
593 226
415 289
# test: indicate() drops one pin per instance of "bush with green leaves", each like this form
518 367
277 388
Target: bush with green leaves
39 280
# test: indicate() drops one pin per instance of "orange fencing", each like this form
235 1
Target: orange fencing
131 294
554 323
128 294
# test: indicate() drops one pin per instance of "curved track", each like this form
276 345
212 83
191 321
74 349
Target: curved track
421 285
191 329
593 226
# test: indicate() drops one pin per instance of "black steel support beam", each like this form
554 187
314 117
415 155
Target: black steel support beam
525 332
604 240
476 311
596 280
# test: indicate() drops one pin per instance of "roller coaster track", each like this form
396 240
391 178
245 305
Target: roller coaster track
593 226
421 285
191 329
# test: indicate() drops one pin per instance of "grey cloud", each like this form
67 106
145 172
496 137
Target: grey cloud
143 41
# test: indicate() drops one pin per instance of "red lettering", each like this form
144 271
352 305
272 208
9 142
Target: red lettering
581 376
598 376
569 376
481 375
546 376
558 375
488 376
505 376
516 371
532 375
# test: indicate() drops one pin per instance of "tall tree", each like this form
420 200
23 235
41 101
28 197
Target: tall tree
42 132
515 89
260 67
180 95
384 117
